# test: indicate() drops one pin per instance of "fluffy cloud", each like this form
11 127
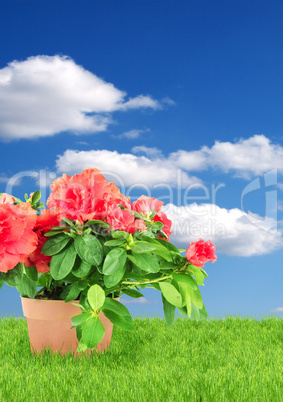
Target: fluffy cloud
244 158
45 95
125 169
148 166
252 156
233 231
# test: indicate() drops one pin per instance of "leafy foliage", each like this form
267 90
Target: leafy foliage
91 263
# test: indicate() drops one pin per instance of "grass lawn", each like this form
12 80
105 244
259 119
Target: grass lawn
236 359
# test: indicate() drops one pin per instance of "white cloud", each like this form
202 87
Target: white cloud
253 156
233 231
141 101
125 169
168 101
247 157
131 134
190 160
151 152
45 95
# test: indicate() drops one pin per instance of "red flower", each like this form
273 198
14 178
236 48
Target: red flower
198 253
162 217
146 204
17 238
121 219
138 224
84 197
44 222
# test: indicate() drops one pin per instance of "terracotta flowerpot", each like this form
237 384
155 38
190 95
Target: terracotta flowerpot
49 325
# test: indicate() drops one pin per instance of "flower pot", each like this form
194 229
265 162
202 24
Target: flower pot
49 325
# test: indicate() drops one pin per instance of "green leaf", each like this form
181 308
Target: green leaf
74 290
53 233
81 268
84 300
118 320
78 305
168 245
197 274
31 273
169 311
146 262
62 263
113 243
119 234
1 283
204 273
89 249
92 332
117 307
45 280
196 298
186 278
96 296
171 294
159 248
35 197
27 287
133 293
79 334
81 346
102 224
114 278
203 313
156 226
80 319
70 278
167 265
182 311
14 276
114 261
55 244
69 222
195 312
142 247
185 291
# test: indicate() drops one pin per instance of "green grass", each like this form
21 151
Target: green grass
236 359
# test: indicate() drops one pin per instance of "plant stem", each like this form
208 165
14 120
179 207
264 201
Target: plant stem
143 283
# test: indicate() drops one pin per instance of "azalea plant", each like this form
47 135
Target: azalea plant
90 246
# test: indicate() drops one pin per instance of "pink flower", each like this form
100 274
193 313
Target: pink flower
198 253
84 197
44 222
162 217
146 204
6 199
17 239
121 219
139 224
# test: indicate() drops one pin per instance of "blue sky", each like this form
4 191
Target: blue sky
181 100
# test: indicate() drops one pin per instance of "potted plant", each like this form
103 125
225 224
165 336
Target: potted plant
90 246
